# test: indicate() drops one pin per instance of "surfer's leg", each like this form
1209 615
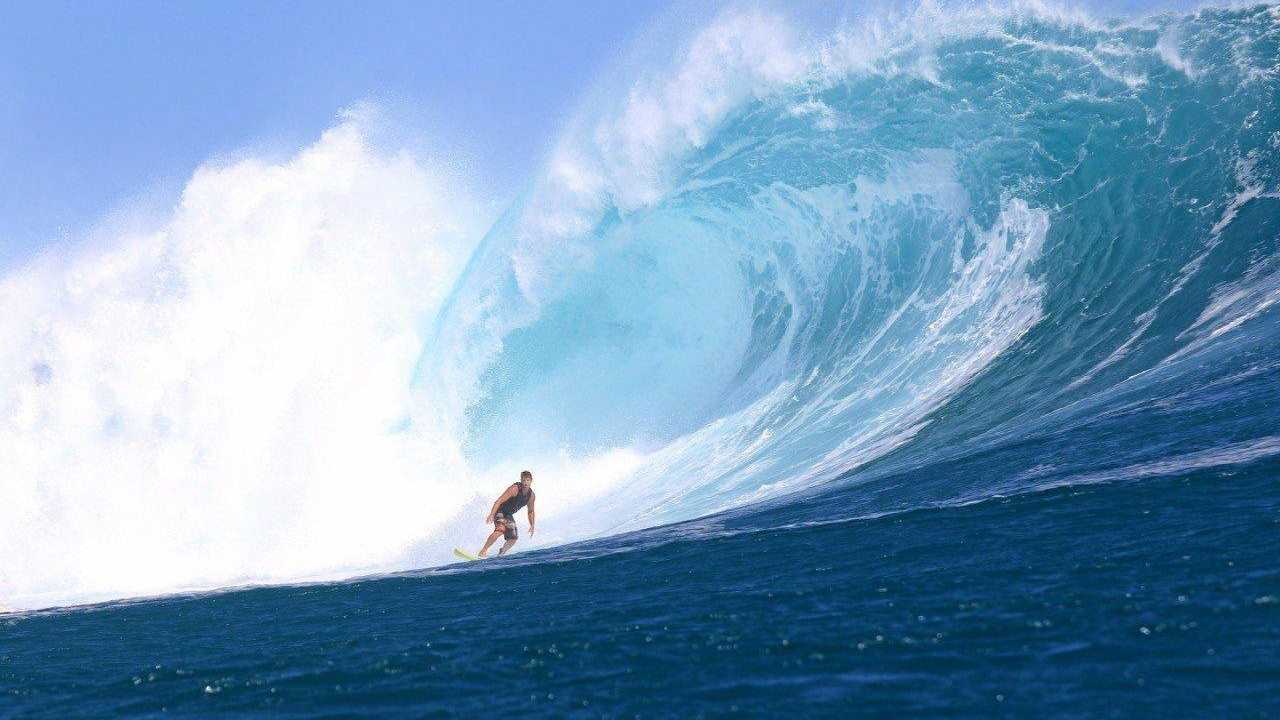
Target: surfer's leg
510 532
492 536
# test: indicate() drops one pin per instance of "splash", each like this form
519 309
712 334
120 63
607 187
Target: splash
209 402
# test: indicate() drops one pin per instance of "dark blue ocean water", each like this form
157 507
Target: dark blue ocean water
924 369
1159 597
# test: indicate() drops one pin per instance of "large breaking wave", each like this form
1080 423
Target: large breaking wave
790 254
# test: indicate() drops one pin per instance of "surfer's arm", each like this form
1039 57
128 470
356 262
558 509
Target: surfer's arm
529 509
501 499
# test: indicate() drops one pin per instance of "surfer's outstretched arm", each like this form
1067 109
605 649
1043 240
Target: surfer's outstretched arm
529 510
510 493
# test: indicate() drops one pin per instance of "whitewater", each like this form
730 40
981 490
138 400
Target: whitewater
789 259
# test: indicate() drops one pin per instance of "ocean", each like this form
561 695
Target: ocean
926 365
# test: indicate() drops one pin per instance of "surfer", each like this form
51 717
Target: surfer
503 513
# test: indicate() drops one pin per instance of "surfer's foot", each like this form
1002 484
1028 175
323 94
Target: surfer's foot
482 554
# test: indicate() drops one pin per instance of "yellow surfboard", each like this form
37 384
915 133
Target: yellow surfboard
464 555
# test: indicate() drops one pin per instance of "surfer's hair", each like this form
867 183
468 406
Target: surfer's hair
526 474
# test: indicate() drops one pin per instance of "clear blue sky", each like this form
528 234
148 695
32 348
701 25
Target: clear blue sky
100 102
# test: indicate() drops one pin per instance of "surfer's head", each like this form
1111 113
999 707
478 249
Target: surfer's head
526 477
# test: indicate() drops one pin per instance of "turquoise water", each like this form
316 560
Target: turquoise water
943 366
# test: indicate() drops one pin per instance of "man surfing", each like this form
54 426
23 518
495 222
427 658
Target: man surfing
503 513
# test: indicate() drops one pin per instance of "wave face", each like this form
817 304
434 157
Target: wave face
786 259
795 256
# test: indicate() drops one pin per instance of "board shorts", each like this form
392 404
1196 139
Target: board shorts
507 525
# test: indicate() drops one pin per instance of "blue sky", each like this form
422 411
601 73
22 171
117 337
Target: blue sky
103 102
